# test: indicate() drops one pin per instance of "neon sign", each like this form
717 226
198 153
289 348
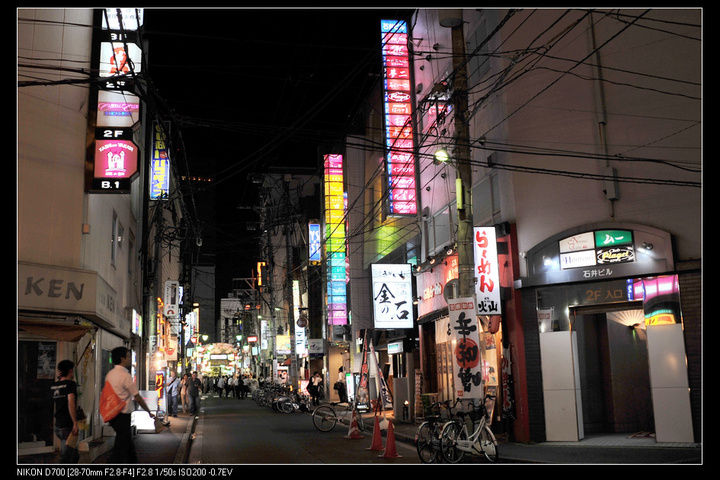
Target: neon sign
400 160
335 240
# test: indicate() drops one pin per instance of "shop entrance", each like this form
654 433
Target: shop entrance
36 373
614 372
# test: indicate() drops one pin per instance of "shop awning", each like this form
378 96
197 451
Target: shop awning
55 331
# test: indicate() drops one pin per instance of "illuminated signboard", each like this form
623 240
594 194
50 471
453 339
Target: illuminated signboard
113 155
117 109
159 164
335 240
132 19
392 295
487 275
601 247
314 242
115 159
400 160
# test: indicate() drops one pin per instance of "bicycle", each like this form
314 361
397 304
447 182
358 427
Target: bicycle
427 437
455 441
325 417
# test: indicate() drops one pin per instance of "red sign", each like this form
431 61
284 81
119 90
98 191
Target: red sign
115 159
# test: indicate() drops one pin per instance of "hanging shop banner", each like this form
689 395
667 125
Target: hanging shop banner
383 389
392 296
400 160
362 394
467 358
487 284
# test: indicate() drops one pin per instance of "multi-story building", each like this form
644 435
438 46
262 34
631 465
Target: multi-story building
98 243
580 132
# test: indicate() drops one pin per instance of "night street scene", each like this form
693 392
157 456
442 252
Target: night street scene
311 236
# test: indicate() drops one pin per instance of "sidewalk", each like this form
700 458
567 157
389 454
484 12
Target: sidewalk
607 449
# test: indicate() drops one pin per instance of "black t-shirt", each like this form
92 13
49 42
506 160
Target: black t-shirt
60 391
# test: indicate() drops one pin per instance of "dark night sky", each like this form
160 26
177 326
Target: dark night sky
253 89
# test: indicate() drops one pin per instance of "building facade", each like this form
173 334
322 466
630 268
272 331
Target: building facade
86 217
582 132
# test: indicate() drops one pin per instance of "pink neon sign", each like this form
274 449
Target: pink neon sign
115 159
400 161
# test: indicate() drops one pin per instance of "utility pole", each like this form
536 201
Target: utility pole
463 184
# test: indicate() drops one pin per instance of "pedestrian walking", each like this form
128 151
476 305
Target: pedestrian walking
193 392
183 392
122 383
221 386
173 394
64 393
341 387
228 387
315 386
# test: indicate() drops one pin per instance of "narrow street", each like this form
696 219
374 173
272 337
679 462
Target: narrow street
231 431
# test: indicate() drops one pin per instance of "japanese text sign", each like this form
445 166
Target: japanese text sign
487 285
392 295
467 353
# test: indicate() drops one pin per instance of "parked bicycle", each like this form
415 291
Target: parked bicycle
325 417
455 441
427 437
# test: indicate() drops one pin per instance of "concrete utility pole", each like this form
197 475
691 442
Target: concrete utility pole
463 185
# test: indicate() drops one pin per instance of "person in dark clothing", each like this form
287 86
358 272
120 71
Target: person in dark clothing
64 393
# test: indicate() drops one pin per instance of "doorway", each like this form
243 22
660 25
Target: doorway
614 371
36 373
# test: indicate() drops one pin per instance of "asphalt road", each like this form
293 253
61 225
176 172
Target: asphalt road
231 431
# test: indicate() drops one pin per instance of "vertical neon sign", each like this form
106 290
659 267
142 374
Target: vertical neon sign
335 240
400 160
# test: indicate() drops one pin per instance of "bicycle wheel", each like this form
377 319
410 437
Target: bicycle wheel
360 422
424 443
451 433
324 418
489 444
286 406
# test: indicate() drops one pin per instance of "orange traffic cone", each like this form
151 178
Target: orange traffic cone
390 451
354 431
377 436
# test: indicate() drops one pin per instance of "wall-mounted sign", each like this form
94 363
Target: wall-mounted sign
400 161
601 247
119 58
392 296
115 159
117 109
314 242
335 240
159 163
487 275
128 19
172 298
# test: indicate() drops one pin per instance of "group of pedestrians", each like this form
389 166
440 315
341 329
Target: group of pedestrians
235 385
184 393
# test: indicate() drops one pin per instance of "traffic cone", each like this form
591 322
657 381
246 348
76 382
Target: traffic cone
390 451
354 431
377 436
